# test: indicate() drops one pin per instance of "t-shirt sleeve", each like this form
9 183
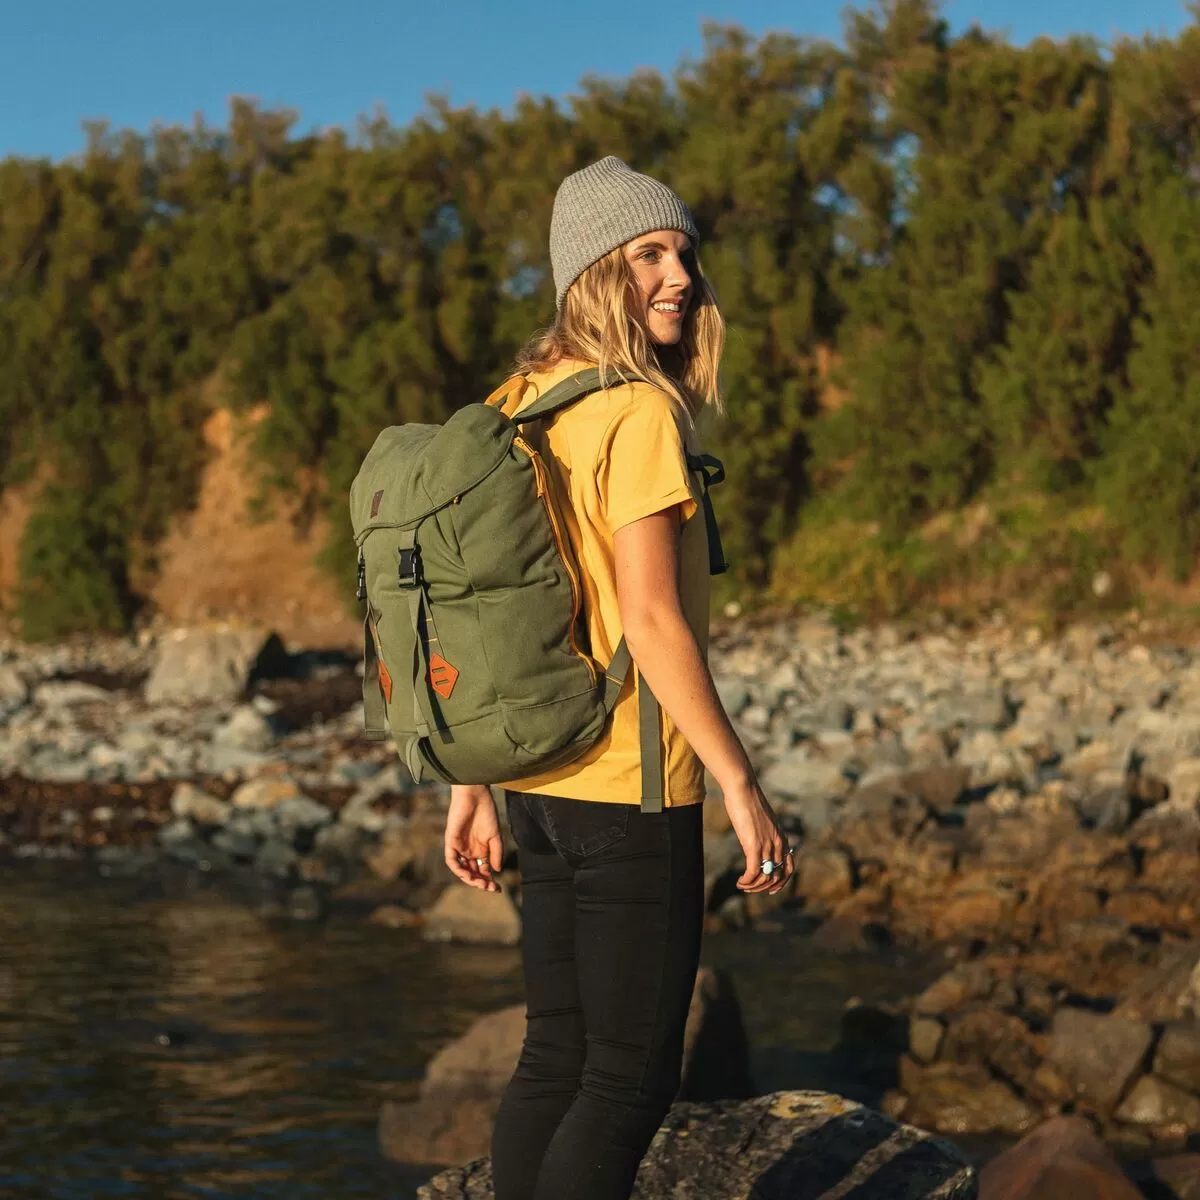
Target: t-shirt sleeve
642 464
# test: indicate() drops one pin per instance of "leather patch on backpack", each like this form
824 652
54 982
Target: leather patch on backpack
385 681
442 676
376 500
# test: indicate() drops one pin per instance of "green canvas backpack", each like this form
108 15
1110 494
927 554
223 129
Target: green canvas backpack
475 645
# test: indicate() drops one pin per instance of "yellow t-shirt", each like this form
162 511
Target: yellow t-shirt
613 458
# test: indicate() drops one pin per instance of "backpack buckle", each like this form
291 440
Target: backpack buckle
409 573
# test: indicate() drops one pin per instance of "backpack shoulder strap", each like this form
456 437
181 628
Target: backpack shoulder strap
649 725
573 388
561 396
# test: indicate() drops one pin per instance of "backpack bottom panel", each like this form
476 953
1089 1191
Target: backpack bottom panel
508 742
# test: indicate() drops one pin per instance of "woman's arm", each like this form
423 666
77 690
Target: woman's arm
667 654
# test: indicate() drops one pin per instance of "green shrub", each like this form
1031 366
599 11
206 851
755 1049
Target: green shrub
72 569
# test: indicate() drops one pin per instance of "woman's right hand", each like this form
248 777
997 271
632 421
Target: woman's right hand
761 838
473 846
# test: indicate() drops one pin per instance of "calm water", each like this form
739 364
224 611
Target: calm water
170 1047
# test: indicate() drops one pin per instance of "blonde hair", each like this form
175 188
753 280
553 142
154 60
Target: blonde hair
600 322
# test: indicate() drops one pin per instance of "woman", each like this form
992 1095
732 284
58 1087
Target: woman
612 897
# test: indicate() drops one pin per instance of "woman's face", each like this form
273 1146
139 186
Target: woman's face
662 264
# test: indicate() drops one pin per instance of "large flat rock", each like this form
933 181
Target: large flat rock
451 1121
785 1146
212 665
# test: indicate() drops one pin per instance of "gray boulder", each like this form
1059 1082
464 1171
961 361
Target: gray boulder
213 665
176 833
464 914
1177 1059
1153 1101
227 760
189 801
66 693
814 812
831 715
733 694
180 842
1184 783
339 843
783 1146
359 812
276 858
245 729
1098 1054
13 691
1107 809
799 774
1168 990
298 813
985 709
239 844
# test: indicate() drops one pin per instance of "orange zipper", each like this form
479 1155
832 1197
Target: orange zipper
539 474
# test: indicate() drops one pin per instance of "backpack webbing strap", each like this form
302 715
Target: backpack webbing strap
712 472
426 715
650 743
615 676
575 387
649 725
422 717
374 705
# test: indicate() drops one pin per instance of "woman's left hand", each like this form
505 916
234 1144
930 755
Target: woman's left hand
762 840
474 848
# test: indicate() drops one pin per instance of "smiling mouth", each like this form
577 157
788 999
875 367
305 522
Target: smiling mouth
668 307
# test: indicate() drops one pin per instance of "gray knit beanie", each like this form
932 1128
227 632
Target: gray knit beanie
602 207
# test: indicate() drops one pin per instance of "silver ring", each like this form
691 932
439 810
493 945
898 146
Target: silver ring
479 862
768 866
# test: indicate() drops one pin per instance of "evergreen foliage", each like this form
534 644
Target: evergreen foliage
1152 469
956 272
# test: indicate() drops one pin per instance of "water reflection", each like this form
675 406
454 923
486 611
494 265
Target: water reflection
184 1047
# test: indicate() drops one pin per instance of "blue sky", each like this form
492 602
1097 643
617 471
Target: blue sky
137 62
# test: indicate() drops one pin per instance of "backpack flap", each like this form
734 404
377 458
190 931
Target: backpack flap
413 470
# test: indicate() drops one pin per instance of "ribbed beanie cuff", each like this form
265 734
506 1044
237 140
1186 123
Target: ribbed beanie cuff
602 207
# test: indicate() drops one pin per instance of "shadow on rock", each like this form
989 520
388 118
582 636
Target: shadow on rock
784 1146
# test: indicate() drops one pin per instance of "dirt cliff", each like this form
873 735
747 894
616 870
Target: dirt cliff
224 560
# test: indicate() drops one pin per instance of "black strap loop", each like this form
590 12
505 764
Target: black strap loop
712 471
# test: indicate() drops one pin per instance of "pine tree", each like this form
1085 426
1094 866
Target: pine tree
994 246
1151 474
1047 390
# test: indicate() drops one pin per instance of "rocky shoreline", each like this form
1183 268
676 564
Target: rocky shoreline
1029 805
1033 808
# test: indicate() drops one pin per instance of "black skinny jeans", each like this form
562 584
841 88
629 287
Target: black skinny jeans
612 907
